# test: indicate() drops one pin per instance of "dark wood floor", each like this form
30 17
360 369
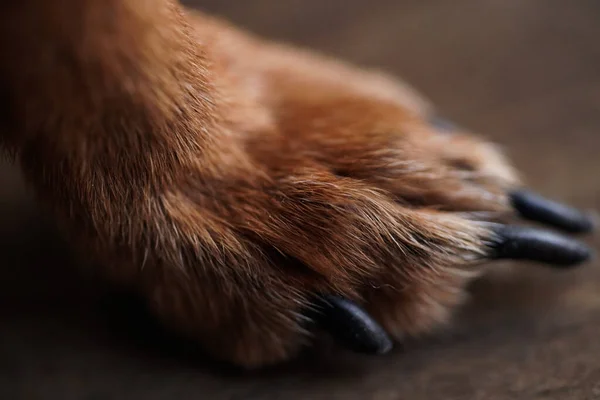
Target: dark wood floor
525 73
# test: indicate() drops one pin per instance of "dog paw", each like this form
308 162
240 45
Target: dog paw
254 269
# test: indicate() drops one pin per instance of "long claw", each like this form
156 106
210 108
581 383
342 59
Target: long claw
519 243
441 123
536 208
351 325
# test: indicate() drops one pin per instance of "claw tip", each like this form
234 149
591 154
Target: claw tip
532 206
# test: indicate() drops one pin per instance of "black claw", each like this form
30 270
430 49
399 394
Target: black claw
536 208
351 325
441 123
537 245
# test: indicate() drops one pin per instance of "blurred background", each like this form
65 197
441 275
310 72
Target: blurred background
524 73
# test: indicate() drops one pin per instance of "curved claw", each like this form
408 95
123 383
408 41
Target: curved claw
351 325
536 208
441 123
521 243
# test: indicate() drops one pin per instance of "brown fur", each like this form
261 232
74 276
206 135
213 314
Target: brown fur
229 179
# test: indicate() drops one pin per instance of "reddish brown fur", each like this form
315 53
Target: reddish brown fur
229 179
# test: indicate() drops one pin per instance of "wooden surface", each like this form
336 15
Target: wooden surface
525 73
